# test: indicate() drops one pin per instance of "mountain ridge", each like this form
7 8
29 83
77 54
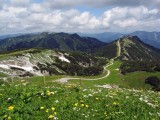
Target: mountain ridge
63 41
151 38
131 48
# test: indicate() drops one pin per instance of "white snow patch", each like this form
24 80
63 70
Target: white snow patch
4 66
26 68
28 55
62 58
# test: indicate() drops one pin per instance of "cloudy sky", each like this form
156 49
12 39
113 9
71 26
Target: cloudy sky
27 16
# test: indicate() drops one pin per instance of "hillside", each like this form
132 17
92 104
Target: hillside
129 48
109 50
132 48
62 41
49 62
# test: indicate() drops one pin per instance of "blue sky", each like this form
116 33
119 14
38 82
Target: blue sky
91 16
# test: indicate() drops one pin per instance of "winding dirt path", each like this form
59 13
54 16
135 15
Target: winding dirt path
64 80
119 49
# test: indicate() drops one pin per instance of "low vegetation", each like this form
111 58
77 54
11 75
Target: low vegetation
81 64
27 100
132 66
154 81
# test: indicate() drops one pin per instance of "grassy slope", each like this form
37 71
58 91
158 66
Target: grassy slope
15 53
113 77
41 101
136 79
3 75
131 80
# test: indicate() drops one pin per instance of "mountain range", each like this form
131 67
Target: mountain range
125 48
151 38
69 54
62 41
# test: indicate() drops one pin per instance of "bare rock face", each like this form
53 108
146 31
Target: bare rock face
47 62
26 64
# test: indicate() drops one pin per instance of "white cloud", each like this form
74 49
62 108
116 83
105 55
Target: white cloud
37 17
55 4
54 18
81 19
19 3
129 17
37 8
1 4
126 23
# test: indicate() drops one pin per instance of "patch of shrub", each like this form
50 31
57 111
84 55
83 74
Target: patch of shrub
153 81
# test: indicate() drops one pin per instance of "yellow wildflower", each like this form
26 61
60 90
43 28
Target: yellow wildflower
82 105
87 106
9 118
5 116
53 109
48 93
50 116
52 93
114 103
41 107
10 108
55 113
81 101
47 110
97 98
76 104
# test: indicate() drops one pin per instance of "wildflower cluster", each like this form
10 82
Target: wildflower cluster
69 101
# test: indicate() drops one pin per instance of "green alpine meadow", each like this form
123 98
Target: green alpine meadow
27 100
79 60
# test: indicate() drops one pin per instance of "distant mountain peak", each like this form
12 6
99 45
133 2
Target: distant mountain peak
130 37
75 35
130 48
